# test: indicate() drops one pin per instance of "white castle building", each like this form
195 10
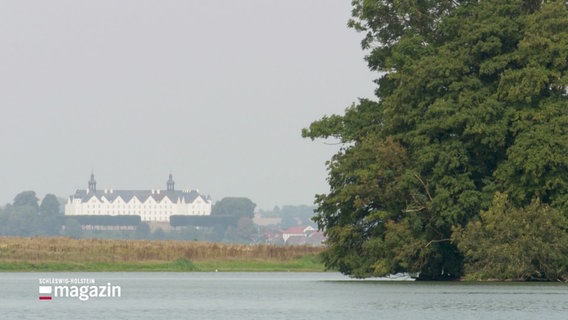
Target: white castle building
150 205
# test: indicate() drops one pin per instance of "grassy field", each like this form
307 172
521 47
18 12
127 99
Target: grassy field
65 254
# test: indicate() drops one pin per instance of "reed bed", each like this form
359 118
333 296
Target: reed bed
59 249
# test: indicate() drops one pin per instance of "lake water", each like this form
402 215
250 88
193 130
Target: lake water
276 296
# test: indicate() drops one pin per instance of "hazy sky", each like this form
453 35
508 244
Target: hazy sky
215 92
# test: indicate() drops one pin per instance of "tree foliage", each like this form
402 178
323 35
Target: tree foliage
49 205
291 215
26 199
72 228
108 220
472 100
202 221
24 217
520 244
234 206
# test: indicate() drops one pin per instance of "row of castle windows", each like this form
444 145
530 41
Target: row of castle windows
168 208
136 206
141 212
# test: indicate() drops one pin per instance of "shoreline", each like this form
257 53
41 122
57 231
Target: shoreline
59 254
302 264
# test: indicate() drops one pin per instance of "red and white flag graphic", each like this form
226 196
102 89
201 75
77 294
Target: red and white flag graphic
44 292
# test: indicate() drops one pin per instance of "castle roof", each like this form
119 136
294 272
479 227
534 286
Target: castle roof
111 195
142 195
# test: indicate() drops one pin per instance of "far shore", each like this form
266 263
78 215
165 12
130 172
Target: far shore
60 254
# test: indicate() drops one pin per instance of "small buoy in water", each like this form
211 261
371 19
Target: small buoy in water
216 270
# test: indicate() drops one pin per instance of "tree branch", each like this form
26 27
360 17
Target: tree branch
436 241
424 186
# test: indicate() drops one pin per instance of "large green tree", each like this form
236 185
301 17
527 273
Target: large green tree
472 100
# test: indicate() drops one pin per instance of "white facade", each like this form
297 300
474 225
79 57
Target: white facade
150 205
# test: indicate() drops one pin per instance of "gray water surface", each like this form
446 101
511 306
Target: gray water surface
281 296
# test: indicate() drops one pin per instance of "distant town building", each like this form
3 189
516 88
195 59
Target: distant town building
301 235
151 205
298 231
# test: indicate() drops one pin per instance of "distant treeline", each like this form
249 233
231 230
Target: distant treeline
202 221
231 221
107 220
135 220
26 217
291 215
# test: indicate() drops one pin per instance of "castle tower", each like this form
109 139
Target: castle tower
170 183
92 184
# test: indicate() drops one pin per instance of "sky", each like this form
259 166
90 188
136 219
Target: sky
214 92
